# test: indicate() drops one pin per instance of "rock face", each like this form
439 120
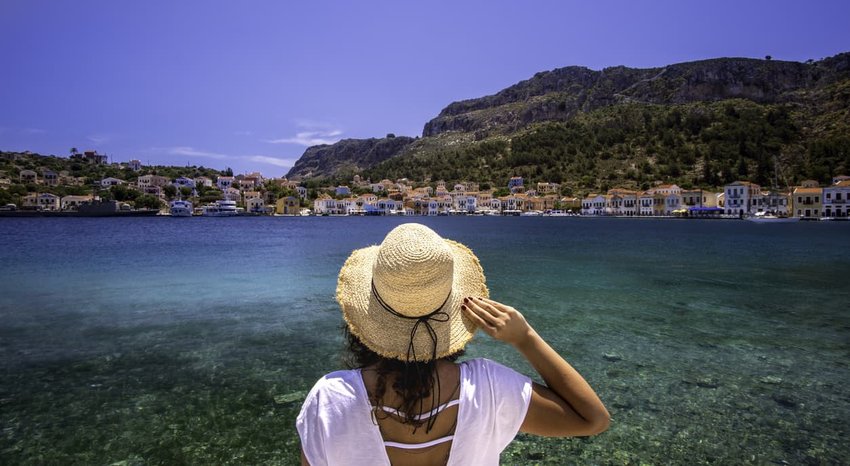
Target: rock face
347 155
561 93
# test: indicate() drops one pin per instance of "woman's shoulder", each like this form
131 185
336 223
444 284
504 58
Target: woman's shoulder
485 372
338 384
479 365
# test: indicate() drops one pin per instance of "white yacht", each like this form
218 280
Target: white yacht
181 208
555 213
221 208
769 217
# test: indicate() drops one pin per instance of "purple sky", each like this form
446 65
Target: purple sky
249 84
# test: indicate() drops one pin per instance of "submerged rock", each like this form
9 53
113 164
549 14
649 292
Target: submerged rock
771 380
613 357
707 383
785 401
290 397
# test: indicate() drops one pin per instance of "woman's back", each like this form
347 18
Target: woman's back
406 444
336 425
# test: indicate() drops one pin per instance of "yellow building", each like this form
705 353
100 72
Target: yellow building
807 202
288 206
571 203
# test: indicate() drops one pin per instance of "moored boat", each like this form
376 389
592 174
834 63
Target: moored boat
221 208
181 208
765 217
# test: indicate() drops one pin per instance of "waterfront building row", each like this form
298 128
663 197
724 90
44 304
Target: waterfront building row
738 199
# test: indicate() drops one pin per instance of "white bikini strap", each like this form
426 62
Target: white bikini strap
422 416
411 446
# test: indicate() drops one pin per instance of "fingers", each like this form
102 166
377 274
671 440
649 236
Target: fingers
485 310
499 306
475 318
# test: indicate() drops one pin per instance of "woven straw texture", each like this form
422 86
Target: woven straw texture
414 271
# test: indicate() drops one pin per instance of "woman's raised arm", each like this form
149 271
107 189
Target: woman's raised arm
566 406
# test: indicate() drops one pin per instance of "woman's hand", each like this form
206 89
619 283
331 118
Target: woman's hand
498 320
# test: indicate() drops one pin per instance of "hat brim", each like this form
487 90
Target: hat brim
389 335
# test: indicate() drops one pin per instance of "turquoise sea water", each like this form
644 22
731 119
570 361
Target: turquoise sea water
192 341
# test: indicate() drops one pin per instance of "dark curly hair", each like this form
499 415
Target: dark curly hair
414 380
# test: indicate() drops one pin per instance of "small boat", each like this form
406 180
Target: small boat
181 208
766 217
531 213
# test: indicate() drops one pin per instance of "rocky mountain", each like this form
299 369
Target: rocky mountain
347 156
560 94
696 123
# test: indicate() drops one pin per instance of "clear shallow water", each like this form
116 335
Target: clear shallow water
168 341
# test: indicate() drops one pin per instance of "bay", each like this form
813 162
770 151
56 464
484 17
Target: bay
160 340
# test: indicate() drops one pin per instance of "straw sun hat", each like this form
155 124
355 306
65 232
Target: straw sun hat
402 299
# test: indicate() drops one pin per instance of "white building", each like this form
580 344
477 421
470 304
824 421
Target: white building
224 182
351 205
836 199
389 206
47 201
548 188
184 182
623 202
28 176
465 203
325 205
107 183
147 181
672 201
593 204
739 196
646 201
134 165
512 203
50 177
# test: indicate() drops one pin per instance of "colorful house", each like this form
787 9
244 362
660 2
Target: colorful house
807 202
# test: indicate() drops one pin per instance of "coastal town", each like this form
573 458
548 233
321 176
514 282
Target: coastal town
253 194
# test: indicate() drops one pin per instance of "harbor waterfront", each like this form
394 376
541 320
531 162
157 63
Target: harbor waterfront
155 341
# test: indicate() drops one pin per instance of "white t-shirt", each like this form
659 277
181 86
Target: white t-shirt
336 426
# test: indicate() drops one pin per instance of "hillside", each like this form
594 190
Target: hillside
84 175
347 157
562 93
700 123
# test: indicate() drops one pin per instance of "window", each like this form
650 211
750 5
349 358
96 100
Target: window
817 198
